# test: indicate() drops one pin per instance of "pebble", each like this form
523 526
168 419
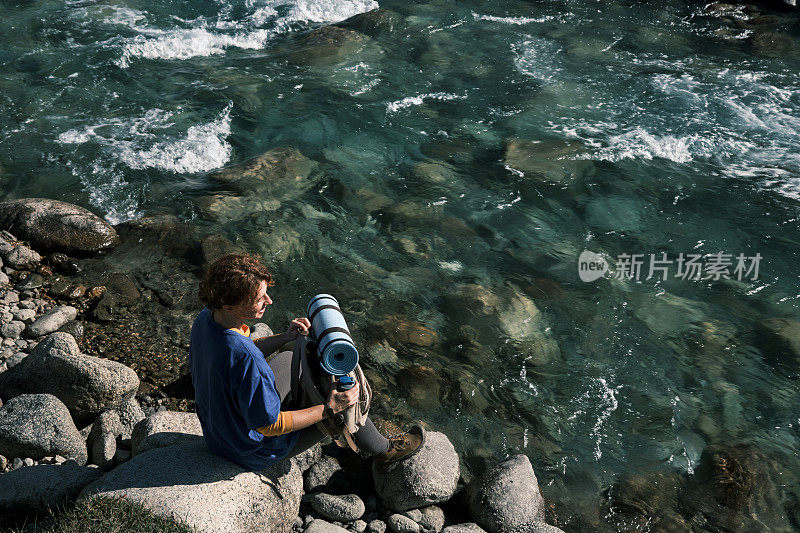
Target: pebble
376 526
4 279
3 463
25 315
17 463
52 320
414 514
12 330
344 508
34 281
432 518
402 524
27 304
10 297
59 459
298 523
28 461
22 258
359 526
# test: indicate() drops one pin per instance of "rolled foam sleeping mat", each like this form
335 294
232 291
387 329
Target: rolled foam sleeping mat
335 346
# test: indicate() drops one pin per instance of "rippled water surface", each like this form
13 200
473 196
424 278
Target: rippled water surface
461 156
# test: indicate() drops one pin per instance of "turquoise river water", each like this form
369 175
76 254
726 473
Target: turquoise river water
463 156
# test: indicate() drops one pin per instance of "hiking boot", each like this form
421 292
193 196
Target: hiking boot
402 446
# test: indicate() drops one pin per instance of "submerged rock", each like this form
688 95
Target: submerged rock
215 246
37 426
167 231
781 337
55 226
551 161
427 477
280 173
190 484
374 23
329 45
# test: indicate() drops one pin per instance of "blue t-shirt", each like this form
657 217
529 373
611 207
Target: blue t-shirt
235 393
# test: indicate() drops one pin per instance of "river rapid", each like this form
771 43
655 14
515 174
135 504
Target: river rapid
448 164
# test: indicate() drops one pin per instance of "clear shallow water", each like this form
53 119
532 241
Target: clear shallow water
656 128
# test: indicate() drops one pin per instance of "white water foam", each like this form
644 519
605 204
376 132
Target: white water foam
204 146
537 58
205 39
516 21
408 101
188 43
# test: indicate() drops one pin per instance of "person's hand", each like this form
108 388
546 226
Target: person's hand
339 401
298 326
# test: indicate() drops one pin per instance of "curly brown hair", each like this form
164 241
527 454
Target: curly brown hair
233 279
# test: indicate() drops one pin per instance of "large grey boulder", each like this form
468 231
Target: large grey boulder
427 477
87 385
55 226
39 489
190 484
39 425
52 320
506 498
166 428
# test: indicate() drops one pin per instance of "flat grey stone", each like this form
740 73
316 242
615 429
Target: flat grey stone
39 425
345 508
190 484
87 385
165 428
359 526
427 477
52 320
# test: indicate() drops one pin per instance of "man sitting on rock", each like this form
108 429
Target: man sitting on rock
242 399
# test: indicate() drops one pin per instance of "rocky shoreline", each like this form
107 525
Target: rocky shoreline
89 406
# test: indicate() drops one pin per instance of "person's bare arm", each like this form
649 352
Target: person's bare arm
269 345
